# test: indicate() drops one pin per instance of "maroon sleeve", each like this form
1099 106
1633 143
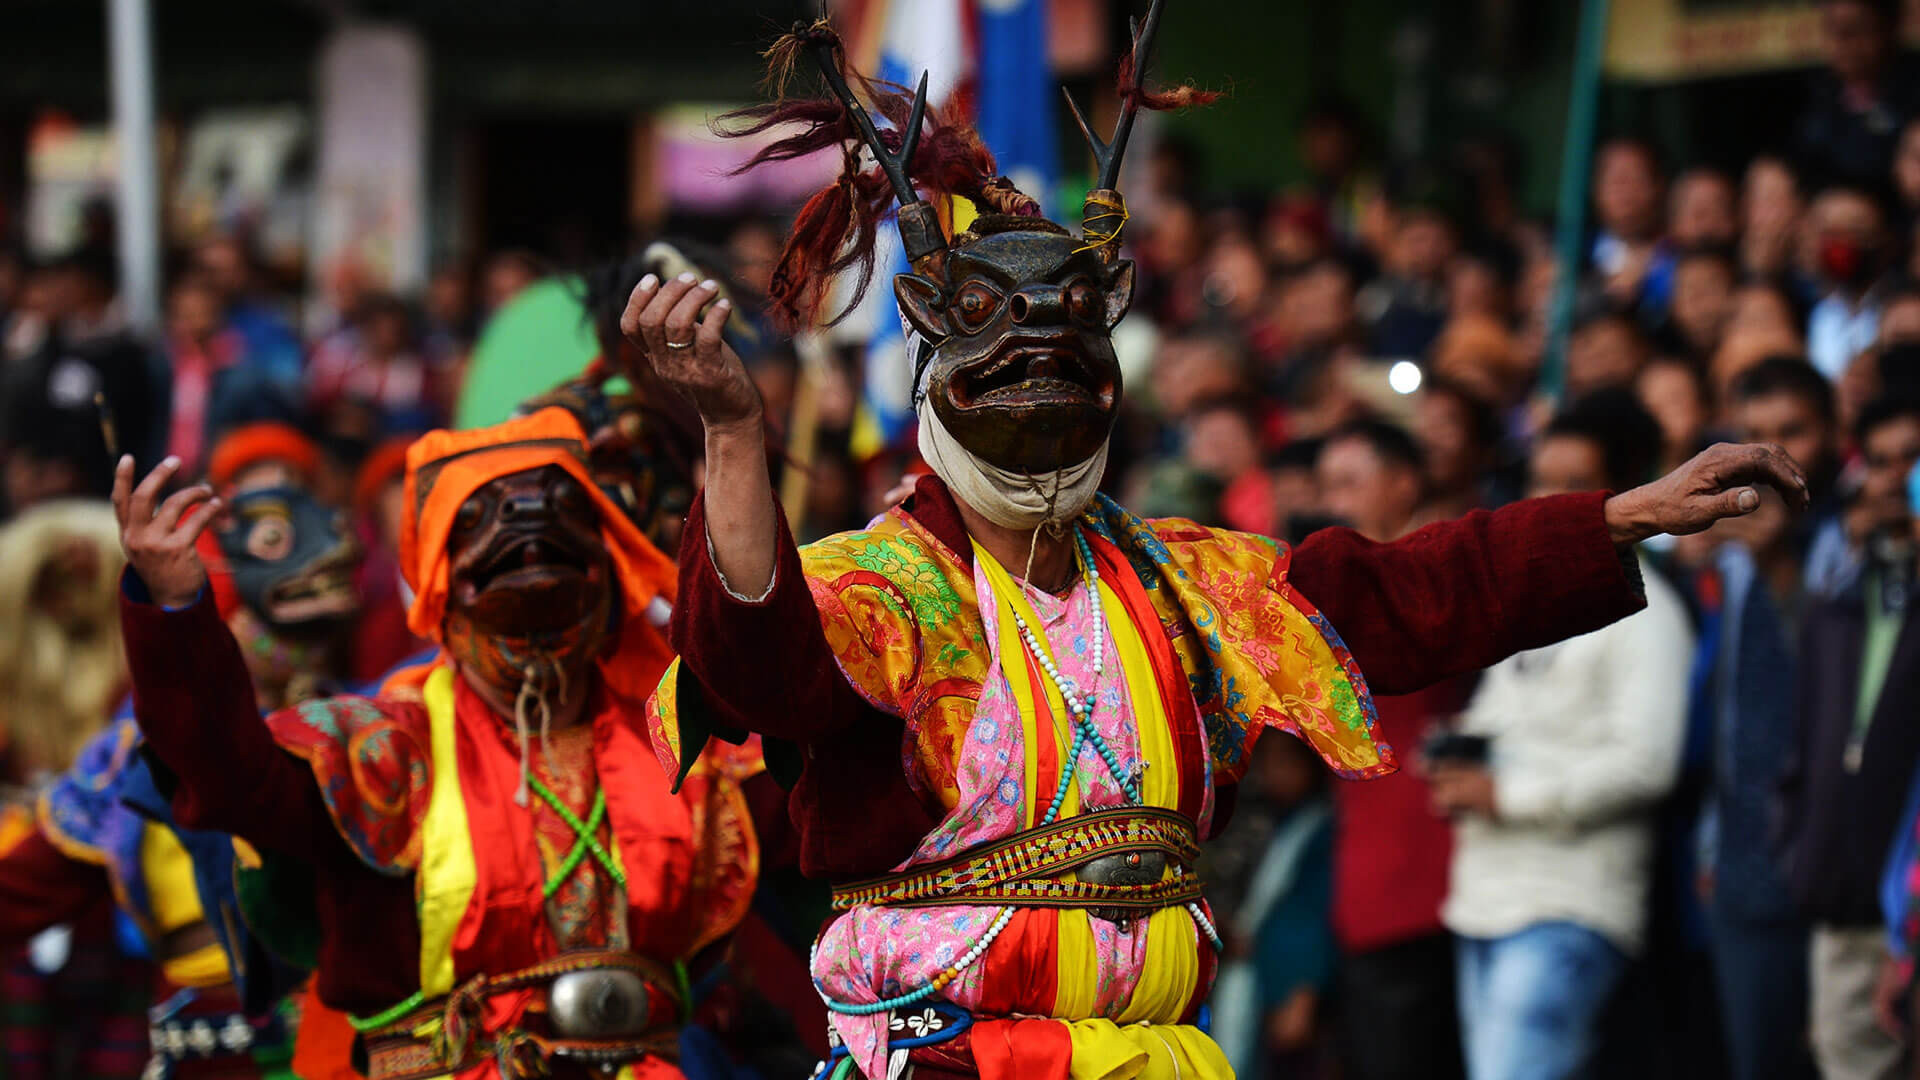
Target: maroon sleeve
40 886
758 665
194 702
1462 595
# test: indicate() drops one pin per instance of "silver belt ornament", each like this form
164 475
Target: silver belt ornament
1122 868
599 1003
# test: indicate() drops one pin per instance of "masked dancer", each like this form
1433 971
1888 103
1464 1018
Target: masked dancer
1017 707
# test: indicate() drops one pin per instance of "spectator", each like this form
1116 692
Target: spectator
1459 436
1848 230
1606 350
1273 867
1406 307
505 276
1701 303
1316 305
1479 283
1194 367
1223 443
1770 208
52 437
1701 216
1627 192
1372 478
1856 746
1847 132
1783 400
1554 834
1390 848
378 364
1334 145
1674 392
268 343
1760 573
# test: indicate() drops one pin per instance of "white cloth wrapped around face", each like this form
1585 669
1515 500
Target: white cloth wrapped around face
1008 499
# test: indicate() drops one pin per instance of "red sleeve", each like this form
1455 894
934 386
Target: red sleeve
40 886
194 702
1462 595
758 665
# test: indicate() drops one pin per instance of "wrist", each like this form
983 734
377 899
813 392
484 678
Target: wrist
1628 519
748 428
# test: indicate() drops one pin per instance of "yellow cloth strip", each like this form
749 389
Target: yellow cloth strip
1017 666
1103 1050
447 877
1152 731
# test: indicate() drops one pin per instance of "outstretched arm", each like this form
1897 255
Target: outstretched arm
192 694
1462 595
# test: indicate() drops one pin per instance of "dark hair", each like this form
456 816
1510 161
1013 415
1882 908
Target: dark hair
1888 11
1884 410
1613 420
1298 454
1483 420
1388 440
1713 253
1786 374
1638 145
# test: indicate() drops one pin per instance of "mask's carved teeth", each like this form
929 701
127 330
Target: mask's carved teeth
1053 374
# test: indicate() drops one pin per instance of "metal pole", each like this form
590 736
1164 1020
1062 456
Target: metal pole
130 41
1576 164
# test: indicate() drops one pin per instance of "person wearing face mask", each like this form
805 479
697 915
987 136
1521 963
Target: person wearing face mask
1018 707
1851 256
483 859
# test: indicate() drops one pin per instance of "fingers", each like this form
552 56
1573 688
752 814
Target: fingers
708 336
653 317
122 487
1771 465
140 507
195 523
1735 503
686 312
637 303
177 504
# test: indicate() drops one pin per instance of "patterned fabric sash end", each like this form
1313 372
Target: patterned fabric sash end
445 1035
1033 868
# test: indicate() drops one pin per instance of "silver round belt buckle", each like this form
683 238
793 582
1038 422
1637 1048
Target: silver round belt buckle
1133 868
599 1003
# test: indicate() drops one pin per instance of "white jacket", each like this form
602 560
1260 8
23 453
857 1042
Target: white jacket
1586 740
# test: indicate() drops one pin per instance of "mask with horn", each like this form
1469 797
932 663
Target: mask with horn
1011 319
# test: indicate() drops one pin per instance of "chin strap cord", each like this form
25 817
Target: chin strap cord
533 693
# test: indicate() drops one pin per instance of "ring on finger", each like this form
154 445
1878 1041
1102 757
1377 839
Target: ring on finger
679 344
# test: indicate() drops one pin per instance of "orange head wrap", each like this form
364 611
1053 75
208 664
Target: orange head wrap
251 444
445 467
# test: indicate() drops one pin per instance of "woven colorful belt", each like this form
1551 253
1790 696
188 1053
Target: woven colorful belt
1032 868
435 1037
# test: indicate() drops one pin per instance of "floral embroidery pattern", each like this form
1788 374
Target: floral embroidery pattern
926 588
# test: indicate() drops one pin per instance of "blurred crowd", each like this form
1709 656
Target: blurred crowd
1682 845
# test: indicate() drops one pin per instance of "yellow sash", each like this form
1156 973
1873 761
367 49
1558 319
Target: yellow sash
1151 1046
445 882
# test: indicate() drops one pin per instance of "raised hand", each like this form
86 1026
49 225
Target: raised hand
1718 483
688 351
160 542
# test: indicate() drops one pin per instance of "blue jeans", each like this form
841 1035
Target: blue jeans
1530 1002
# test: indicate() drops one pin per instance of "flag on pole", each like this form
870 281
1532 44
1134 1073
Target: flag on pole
991 54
